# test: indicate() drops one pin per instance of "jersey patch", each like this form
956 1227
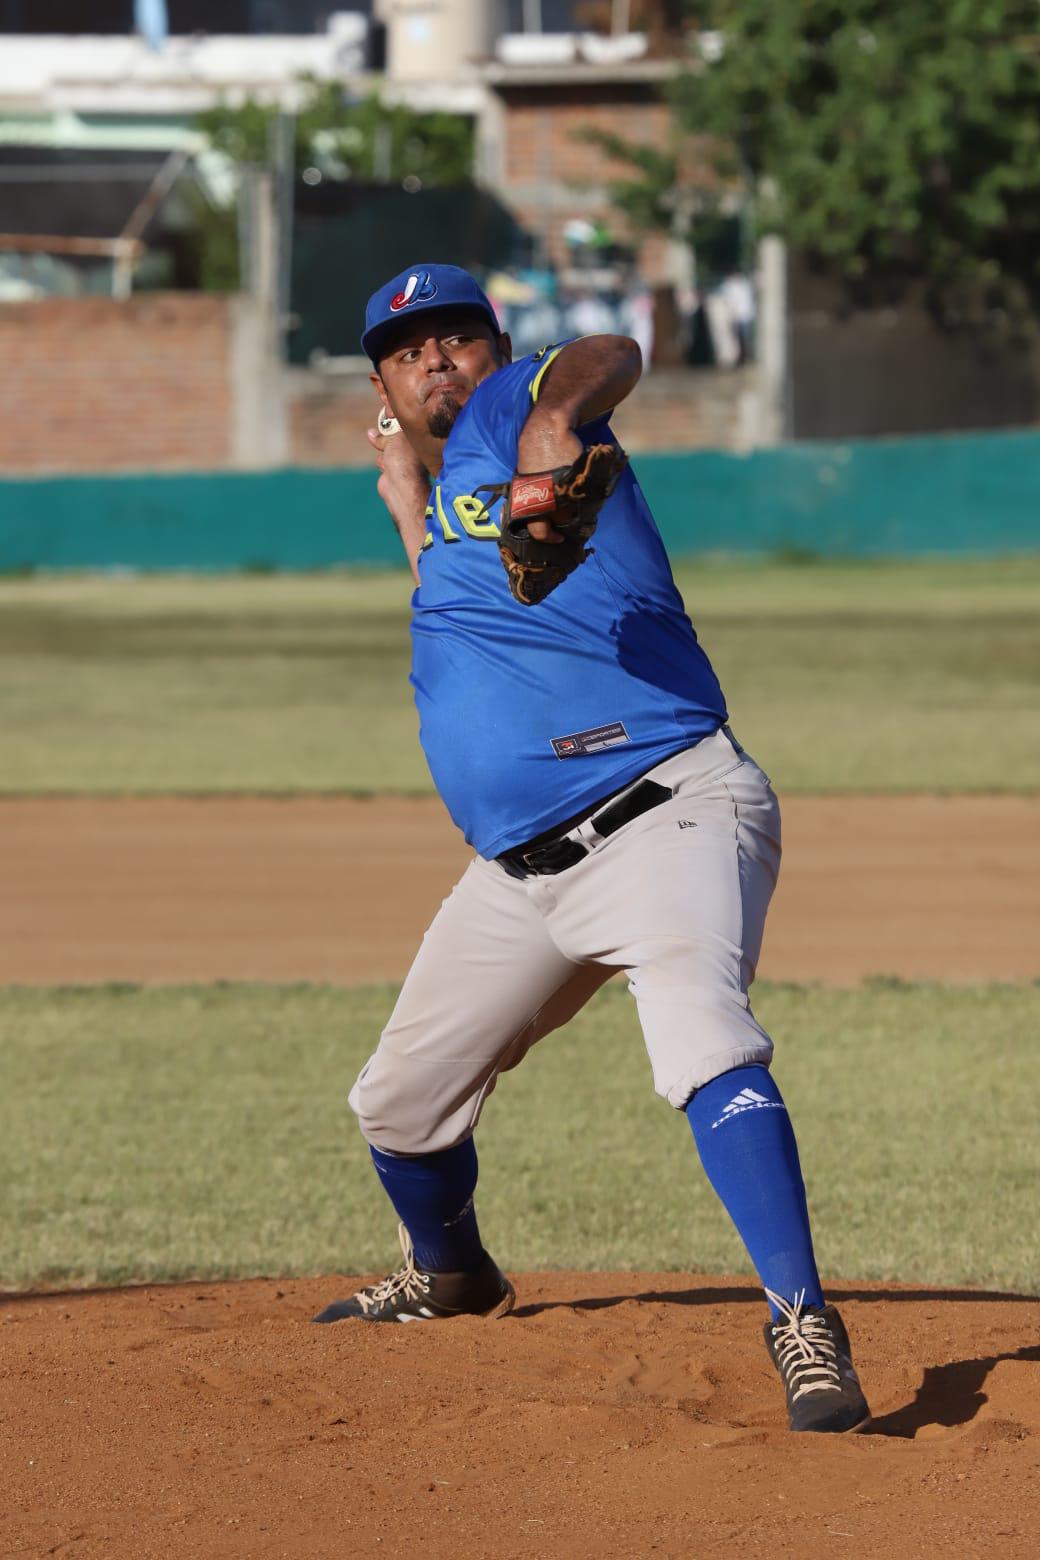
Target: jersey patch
592 741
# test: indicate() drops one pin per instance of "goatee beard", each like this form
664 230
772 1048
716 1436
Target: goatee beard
442 421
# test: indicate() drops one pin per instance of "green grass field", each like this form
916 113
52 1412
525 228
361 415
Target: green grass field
149 1134
909 676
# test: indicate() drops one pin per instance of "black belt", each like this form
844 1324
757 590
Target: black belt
556 852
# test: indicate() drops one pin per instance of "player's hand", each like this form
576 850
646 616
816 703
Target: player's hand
546 441
403 479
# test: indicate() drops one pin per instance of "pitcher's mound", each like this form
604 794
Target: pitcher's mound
610 1415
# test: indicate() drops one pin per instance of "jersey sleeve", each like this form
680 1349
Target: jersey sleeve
502 403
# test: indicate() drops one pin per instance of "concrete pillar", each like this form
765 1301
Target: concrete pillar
772 343
260 419
259 409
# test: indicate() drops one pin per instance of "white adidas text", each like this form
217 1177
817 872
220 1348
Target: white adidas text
747 1099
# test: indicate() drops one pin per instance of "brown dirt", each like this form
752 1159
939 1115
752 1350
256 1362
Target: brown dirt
341 890
612 1415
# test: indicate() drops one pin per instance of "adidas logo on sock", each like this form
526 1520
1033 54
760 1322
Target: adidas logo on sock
747 1099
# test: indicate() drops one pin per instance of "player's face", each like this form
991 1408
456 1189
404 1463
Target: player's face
432 370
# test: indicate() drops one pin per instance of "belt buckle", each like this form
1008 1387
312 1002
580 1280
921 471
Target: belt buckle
546 858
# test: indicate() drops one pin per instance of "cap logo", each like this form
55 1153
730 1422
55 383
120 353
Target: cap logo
418 289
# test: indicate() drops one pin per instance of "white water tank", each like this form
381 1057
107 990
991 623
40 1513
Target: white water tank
435 40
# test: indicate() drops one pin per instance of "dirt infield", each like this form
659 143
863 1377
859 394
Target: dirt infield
612 1415
341 890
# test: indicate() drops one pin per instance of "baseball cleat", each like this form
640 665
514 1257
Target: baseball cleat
810 1348
413 1296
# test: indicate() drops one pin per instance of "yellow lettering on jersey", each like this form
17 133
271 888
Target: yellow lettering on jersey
474 518
449 534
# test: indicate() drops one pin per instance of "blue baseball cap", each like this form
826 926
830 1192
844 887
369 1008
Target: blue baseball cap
421 289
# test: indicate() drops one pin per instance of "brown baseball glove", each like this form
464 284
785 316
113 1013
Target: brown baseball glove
569 498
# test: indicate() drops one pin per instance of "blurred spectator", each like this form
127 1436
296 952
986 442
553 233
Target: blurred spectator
505 288
739 297
637 313
590 315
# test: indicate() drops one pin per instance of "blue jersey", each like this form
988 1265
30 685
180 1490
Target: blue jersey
528 715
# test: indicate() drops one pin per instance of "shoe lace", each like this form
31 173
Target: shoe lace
805 1349
407 1281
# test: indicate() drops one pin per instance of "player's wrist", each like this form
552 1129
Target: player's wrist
552 418
547 440
405 508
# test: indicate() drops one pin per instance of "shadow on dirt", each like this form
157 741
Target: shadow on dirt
716 1294
749 1295
949 1395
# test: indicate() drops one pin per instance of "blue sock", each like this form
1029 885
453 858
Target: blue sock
433 1195
746 1143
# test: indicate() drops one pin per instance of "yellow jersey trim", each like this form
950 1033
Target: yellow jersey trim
536 382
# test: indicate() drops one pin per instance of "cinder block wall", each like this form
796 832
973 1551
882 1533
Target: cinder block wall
93 384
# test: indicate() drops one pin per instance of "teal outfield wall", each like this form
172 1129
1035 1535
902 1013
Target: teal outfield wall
977 493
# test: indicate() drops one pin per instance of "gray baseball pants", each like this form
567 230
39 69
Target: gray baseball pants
677 898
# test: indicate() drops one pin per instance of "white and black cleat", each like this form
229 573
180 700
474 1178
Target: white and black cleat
410 1295
810 1348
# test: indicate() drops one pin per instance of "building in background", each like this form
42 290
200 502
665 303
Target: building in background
98 144
78 82
102 165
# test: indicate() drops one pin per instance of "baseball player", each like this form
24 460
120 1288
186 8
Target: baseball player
576 731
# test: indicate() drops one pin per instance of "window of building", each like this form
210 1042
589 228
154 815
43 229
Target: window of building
252 16
533 16
185 16
66 16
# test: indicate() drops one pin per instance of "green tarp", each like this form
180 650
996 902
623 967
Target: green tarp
963 494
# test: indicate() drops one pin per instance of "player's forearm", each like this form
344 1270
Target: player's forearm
589 378
406 493
410 524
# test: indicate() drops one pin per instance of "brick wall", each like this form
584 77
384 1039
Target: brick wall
549 172
328 415
161 383
670 410
93 384
688 409
544 134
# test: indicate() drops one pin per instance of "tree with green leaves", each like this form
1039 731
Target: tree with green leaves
884 138
350 139
342 138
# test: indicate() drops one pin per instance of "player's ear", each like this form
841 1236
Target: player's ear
505 348
380 389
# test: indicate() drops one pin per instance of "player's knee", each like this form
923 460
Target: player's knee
680 1091
396 1116
695 1032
